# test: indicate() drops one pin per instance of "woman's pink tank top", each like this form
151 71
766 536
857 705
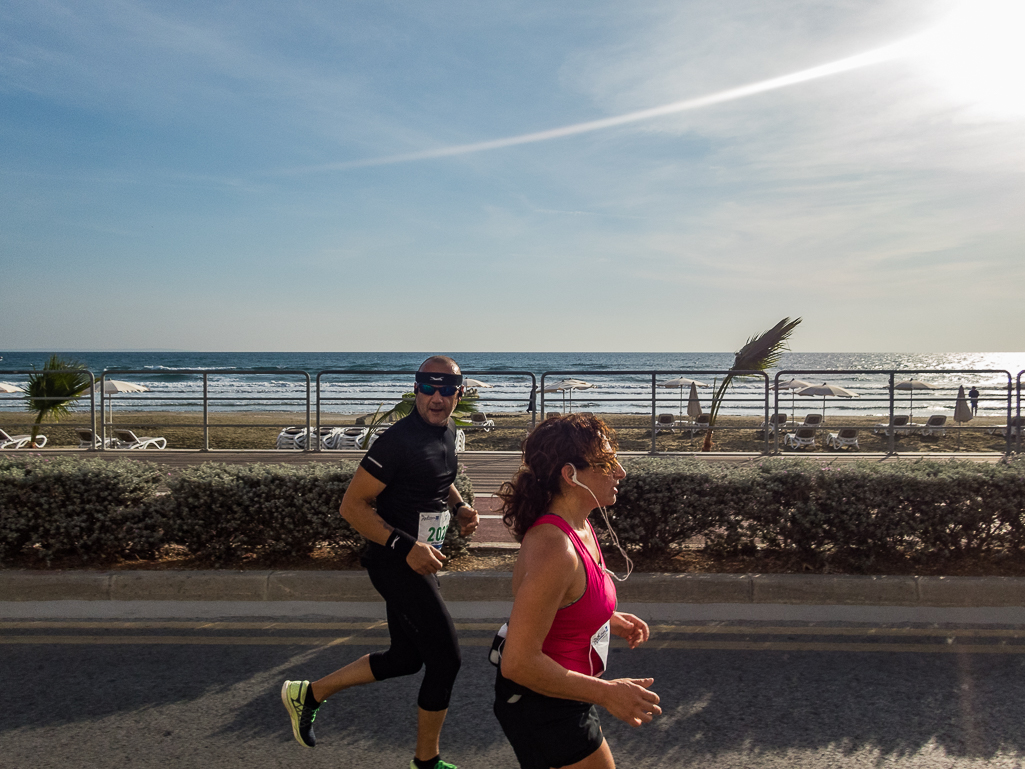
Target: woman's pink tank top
569 640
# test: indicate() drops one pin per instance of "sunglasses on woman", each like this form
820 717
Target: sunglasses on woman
446 391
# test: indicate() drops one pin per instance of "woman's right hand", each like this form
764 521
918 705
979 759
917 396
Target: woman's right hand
630 700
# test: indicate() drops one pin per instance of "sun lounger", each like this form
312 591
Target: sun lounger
846 438
1014 427
812 420
665 423
900 426
479 420
699 424
288 435
934 426
777 423
126 439
87 439
20 441
347 438
802 438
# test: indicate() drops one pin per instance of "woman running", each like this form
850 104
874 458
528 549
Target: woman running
564 610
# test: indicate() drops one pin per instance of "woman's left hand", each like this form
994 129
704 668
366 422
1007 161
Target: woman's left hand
629 627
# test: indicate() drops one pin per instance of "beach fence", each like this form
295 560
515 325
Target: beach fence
16 395
1003 396
752 402
595 389
347 390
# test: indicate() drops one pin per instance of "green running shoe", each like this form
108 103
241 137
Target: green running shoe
293 695
439 765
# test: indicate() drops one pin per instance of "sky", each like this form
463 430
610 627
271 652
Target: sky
333 176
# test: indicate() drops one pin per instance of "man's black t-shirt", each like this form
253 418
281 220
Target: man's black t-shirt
417 463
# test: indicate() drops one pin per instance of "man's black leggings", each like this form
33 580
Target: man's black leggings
422 634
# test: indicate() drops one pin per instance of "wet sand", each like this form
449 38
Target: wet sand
259 430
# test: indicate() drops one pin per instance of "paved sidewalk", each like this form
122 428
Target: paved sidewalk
641 588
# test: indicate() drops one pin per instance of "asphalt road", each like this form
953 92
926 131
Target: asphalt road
201 693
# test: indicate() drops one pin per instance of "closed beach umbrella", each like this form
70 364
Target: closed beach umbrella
793 385
693 404
962 412
679 383
827 390
912 385
568 385
7 387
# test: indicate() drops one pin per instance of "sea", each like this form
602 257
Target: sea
621 383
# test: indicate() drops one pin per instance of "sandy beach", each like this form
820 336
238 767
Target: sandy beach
259 430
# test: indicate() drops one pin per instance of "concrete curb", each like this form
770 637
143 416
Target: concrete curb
354 586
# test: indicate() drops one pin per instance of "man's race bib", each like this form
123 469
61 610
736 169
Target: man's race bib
600 645
433 527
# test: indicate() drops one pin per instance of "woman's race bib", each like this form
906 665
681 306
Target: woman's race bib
600 645
433 527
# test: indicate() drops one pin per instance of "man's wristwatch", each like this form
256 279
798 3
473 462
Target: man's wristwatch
460 504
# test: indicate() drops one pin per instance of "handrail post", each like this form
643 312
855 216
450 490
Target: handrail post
318 404
653 424
310 437
206 412
766 400
892 433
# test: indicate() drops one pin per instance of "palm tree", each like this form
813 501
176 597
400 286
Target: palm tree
51 390
405 407
761 352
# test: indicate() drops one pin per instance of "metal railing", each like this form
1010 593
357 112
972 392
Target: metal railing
654 393
647 392
891 390
327 399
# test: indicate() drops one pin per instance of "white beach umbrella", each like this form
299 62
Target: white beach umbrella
680 383
962 412
827 390
475 383
7 387
912 385
793 385
113 386
568 385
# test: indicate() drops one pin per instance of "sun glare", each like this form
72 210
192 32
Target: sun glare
977 54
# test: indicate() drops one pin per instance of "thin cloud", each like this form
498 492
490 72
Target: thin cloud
896 50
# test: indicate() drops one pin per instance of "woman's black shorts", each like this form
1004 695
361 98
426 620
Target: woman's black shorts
545 731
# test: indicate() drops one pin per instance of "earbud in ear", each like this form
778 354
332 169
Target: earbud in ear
575 477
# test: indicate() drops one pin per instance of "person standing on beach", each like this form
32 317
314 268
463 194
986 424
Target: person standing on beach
973 394
398 500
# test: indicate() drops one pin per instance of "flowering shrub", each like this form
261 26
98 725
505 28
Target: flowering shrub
97 509
87 508
855 512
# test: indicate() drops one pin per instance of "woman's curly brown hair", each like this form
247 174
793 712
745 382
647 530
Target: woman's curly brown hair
575 439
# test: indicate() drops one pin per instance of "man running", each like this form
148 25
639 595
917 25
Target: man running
408 476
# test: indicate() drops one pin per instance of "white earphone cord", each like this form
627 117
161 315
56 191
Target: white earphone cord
612 533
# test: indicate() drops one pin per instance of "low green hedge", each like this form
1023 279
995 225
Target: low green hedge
221 513
87 508
93 509
856 512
